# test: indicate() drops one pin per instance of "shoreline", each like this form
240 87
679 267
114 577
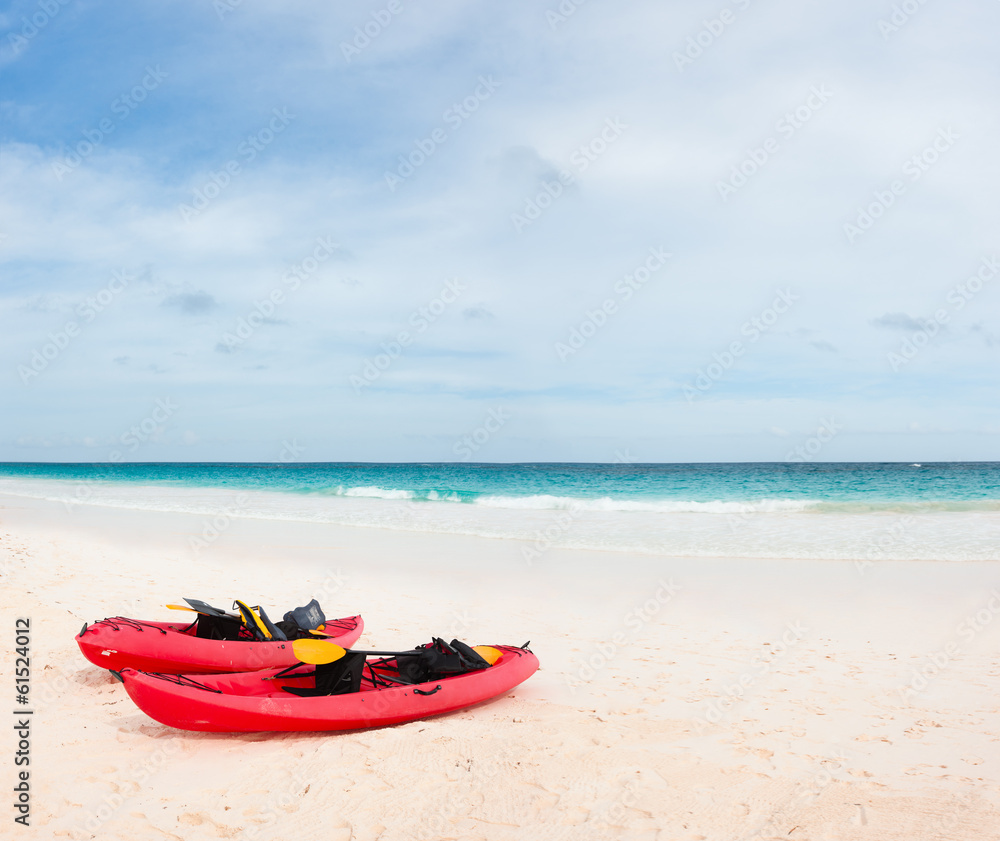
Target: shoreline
758 535
692 697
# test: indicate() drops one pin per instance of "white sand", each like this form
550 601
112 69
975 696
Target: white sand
761 700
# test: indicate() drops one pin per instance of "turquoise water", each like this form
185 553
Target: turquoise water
948 486
941 511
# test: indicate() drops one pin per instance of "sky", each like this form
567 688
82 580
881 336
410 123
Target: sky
529 231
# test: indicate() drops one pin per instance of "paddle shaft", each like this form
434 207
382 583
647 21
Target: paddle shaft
201 612
381 653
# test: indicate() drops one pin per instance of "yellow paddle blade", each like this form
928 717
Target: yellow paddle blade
321 634
181 607
317 652
488 653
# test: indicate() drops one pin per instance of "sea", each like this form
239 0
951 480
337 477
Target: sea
863 512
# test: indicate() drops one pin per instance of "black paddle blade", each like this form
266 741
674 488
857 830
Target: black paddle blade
203 607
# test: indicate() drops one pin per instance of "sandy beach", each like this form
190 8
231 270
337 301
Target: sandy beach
677 699
659 339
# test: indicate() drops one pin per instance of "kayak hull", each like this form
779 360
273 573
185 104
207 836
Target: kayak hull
171 647
255 702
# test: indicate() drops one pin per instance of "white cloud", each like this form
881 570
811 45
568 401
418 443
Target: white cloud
654 186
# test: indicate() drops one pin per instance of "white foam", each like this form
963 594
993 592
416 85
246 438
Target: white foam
375 492
545 502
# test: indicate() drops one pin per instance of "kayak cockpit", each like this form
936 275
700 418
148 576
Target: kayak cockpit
353 672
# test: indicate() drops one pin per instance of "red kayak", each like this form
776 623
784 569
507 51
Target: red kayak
120 643
377 694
